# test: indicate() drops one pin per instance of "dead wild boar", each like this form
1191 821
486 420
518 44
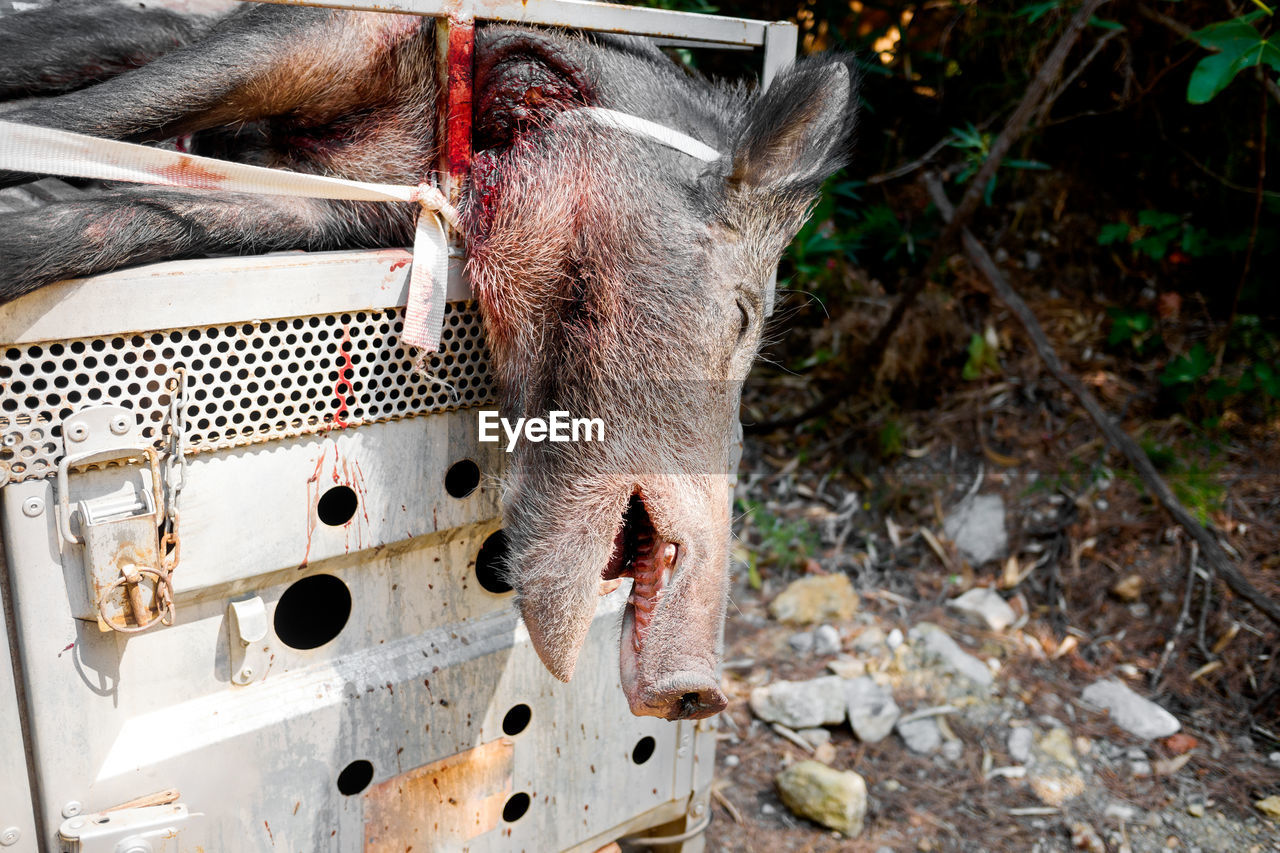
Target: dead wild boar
617 277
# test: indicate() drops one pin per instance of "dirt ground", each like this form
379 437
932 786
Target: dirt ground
1096 573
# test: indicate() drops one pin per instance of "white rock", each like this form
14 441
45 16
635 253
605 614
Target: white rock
986 605
872 711
731 761
894 639
815 737
1139 717
922 735
826 640
1020 745
976 526
938 643
801 642
952 750
869 639
801 704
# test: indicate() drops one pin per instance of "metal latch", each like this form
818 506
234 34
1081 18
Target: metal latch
247 626
128 558
146 829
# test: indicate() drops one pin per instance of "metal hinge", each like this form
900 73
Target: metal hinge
128 556
146 829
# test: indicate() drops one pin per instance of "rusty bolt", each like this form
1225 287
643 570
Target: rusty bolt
10 836
119 425
32 507
78 432
71 808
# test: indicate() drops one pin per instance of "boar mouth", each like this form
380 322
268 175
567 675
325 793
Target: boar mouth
640 554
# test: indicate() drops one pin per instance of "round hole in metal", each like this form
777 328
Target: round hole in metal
644 750
515 807
355 777
312 612
337 506
462 478
517 719
489 563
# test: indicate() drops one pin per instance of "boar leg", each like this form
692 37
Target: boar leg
62 48
311 66
79 238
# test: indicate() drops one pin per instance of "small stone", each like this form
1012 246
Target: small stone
801 704
847 667
891 785
821 598
836 799
731 761
871 638
1122 812
801 642
1085 837
1269 806
1055 786
894 640
1196 809
816 736
1128 588
952 750
826 640
872 711
938 643
825 753
1274 758
976 526
1140 769
986 606
1057 746
922 736
1138 716
1020 745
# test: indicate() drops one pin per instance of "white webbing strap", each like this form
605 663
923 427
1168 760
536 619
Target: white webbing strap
46 151
651 129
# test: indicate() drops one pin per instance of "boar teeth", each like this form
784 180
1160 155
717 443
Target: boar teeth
609 586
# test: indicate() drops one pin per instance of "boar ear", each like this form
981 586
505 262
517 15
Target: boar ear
798 132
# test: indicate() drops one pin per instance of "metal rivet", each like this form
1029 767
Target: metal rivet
32 507
76 824
119 425
71 808
698 808
246 673
78 432
12 439
10 836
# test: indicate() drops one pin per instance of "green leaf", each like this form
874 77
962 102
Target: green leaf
1095 21
1035 11
1186 369
1157 218
1114 232
1026 164
1233 36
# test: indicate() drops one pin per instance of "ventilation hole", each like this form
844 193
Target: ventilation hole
515 807
644 750
489 562
337 506
312 612
355 777
517 719
462 478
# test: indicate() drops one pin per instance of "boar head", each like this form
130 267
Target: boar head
623 280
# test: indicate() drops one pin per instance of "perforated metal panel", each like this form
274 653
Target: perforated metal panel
246 383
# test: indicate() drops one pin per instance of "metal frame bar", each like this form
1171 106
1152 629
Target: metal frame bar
573 14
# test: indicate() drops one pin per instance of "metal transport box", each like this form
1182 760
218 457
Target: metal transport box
312 653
